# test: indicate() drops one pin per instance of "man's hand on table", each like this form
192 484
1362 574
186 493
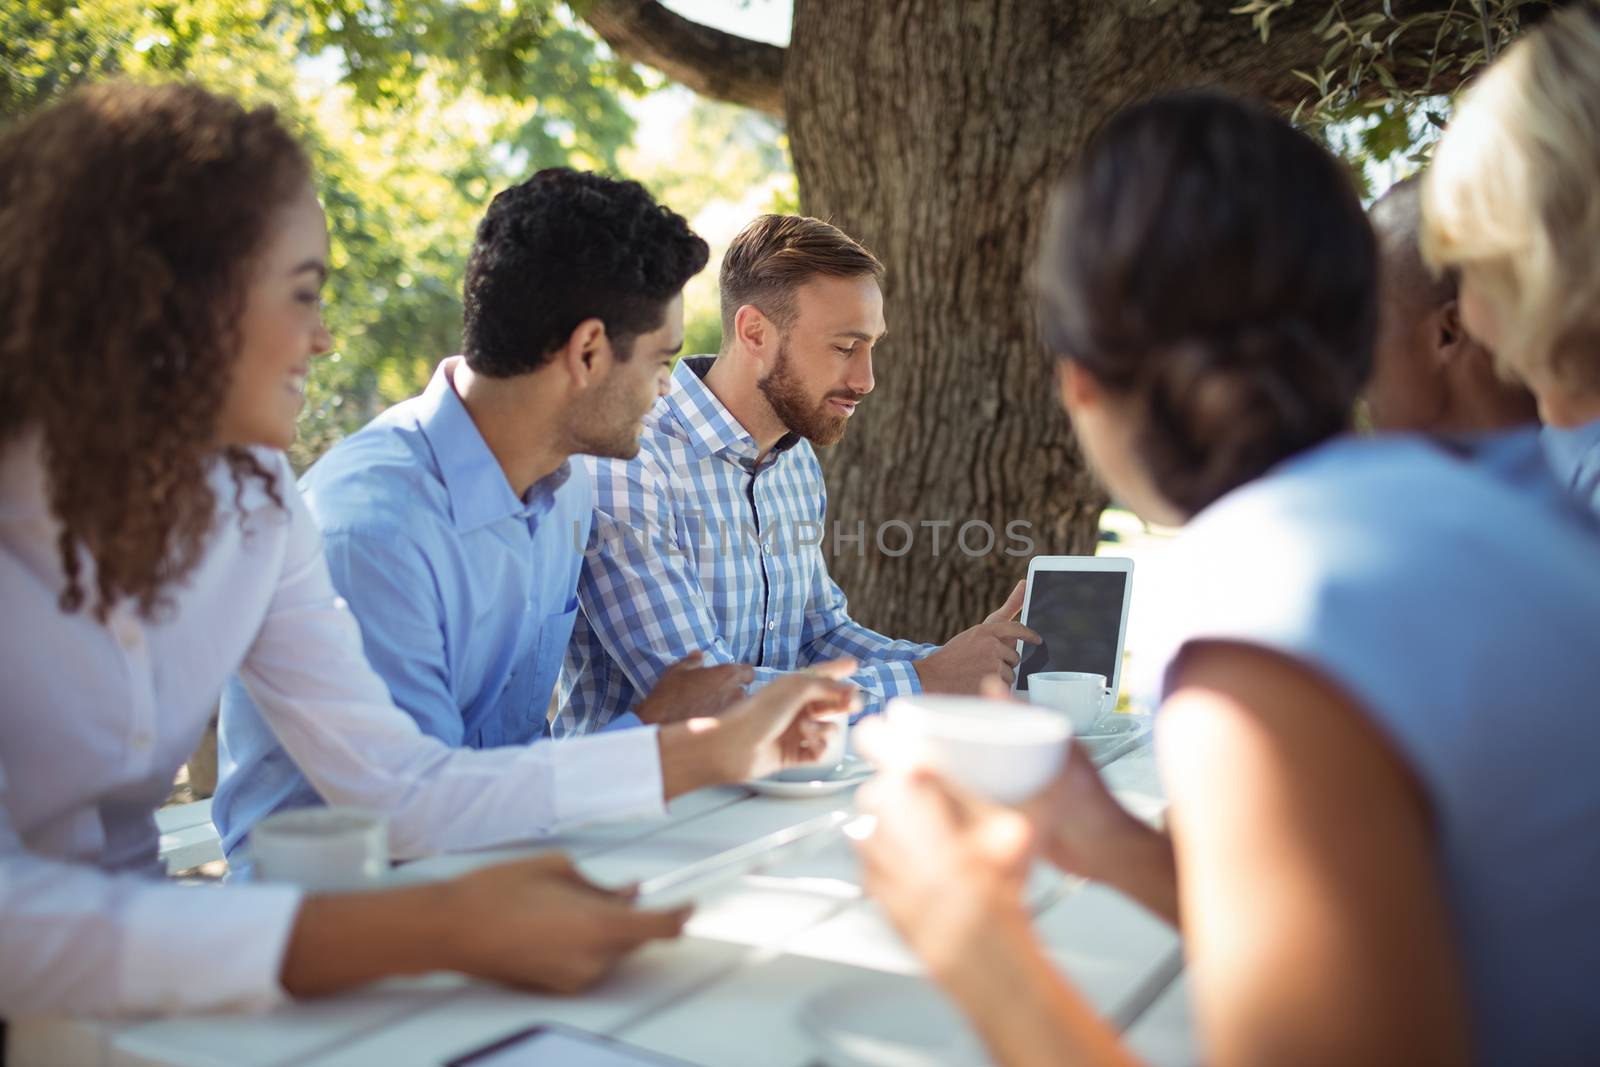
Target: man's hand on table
687 690
786 722
989 648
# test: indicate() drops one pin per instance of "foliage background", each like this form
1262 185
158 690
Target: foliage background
416 113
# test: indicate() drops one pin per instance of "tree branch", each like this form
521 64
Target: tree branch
712 63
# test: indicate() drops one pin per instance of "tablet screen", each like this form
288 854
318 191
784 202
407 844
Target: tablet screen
1079 615
543 1046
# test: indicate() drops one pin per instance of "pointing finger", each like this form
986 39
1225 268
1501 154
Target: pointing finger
1012 631
1013 604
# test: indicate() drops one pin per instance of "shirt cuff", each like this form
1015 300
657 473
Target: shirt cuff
901 678
890 680
189 949
615 774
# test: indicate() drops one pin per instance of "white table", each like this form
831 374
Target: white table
728 993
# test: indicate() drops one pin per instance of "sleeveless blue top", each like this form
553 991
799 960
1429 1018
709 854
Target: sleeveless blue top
1453 591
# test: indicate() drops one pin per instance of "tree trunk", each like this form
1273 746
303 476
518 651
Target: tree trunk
932 131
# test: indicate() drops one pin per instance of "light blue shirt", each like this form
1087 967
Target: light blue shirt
1575 456
465 594
1454 595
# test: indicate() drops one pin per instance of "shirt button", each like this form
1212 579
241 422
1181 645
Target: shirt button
129 636
773 625
766 550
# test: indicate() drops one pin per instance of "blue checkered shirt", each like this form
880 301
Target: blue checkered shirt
692 546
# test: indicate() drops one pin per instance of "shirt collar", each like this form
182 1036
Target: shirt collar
710 426
477 487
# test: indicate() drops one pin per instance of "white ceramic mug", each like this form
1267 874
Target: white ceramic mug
832 757
1076 694
996 748
325 850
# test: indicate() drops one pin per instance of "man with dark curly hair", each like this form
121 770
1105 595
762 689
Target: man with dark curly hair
454 522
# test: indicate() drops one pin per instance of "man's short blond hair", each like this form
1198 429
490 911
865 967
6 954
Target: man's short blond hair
775 255
1513 197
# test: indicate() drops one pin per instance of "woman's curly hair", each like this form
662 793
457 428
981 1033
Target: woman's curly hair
131 218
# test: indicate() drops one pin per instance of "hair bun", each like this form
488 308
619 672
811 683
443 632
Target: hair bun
1212 266
1225 409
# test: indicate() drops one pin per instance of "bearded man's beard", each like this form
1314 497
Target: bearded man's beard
816 422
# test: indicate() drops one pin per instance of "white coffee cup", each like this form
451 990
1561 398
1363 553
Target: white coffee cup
832 757
1080 696
999 749
326 850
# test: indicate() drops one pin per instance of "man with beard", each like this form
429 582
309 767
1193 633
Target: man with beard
711 538
450 520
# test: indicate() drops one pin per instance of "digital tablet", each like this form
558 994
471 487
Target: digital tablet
1079 606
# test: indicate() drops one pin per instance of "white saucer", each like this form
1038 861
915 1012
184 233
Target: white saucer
853 771
1114 736
1116 724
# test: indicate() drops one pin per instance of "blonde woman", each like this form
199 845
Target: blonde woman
1512 201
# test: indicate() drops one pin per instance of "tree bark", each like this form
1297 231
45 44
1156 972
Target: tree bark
932 131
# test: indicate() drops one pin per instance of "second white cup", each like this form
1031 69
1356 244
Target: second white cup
324 850
1078 695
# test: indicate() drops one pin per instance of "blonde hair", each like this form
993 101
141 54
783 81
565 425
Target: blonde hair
1512 198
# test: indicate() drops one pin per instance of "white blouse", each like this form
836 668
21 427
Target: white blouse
95 720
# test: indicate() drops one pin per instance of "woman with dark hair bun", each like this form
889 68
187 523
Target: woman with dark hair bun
1374 854
162 252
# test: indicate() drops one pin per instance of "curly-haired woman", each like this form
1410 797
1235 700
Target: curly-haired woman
1376 684
161 256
